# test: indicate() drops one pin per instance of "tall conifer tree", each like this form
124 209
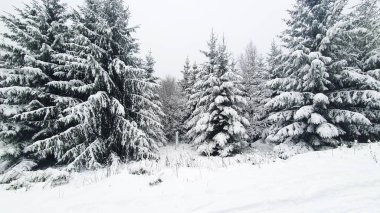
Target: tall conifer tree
28 107
317 103
217 125
99 98
255 74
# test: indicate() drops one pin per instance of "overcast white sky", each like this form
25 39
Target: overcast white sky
175 29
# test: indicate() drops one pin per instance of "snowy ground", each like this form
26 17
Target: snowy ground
341 180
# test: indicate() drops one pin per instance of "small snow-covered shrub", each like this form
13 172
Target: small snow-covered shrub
115 165
3 166
18 184
37 176
17 171
142 167
59 178
155 182
289 149
25 179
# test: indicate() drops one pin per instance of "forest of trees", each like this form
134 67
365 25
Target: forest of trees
75 93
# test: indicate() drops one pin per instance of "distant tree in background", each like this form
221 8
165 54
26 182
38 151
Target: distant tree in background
187 74
254 77
173 105
274 59
191 77
148 65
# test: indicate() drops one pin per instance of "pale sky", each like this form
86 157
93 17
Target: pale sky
175 29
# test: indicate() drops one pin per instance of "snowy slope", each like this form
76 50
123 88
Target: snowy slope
341 180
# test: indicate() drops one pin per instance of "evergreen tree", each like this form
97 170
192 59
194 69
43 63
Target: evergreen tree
255 75
102 90
356 40
150 112
217 125
28 108
186 80
317 103
356 36
273 59
189 89
149 66
194 75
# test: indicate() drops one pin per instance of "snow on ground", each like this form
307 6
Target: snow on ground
340 180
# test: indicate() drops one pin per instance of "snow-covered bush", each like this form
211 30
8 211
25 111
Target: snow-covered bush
17 171
289 149
116 164
143 167
26 179
4 166
59 178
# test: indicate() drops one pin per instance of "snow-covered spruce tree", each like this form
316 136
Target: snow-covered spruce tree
149 112
273 59
195 74
316 104
148 64
217 125
113 91
187 77
356 39
368 16
356 36
255 76
28 108
190 88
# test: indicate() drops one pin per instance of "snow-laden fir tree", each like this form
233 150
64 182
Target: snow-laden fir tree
148 64
149 112
28 108
255 76
273 59
356 36
187 76
356 39
317 103
109 93
189 85
217 126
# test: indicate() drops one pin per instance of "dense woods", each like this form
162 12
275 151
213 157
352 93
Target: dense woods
75 94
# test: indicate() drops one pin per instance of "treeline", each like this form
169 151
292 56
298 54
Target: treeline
75 94
318 88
